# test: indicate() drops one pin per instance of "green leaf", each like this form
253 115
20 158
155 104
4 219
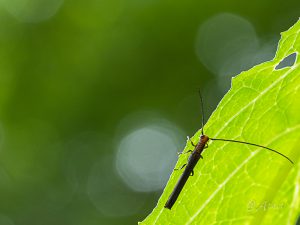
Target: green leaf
242 184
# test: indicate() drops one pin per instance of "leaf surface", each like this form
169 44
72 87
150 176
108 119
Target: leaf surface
242 184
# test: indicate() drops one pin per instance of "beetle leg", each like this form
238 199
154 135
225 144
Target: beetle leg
179 153
181 167
188 138
192 173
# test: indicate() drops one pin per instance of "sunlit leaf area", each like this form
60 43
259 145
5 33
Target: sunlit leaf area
97 97
244 184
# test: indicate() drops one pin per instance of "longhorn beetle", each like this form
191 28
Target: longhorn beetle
196 155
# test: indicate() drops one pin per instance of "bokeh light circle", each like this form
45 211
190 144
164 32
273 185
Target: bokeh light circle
224 37
225 44
145 156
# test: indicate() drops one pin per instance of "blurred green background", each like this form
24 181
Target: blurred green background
96 97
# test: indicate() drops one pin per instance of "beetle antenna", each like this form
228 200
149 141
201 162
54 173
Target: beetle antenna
247 143
202 109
